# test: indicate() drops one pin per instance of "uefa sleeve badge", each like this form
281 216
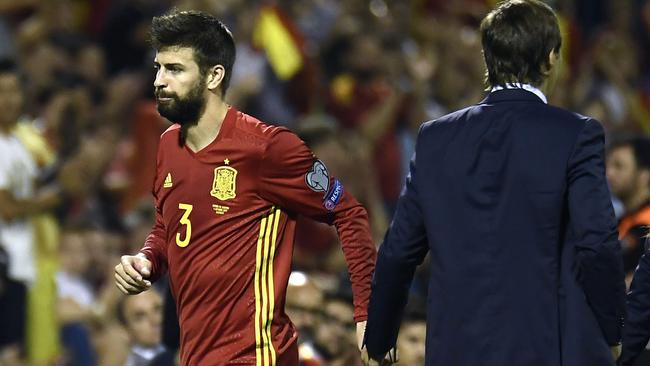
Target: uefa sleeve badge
318 178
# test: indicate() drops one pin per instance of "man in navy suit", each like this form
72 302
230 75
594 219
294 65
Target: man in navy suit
510 198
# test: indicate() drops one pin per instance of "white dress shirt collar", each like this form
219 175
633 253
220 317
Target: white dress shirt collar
526 87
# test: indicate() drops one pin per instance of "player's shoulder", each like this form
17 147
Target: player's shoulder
251 130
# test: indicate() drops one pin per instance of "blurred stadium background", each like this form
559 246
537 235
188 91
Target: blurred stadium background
354 78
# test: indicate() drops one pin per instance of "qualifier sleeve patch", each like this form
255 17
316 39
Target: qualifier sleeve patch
333 197
318 178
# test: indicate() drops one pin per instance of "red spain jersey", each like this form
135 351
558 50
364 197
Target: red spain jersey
225 222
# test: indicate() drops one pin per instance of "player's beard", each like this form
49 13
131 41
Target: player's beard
184 111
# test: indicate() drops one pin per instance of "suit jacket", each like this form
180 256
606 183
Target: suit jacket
510 198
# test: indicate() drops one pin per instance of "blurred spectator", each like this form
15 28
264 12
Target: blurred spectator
141 315
76 300
250 70
18 197
21 203
334 336
12 316
628 173
103 248
135 170
124 33
365 100
84 313
411 341
304 302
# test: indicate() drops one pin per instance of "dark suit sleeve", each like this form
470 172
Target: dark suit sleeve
599 261
636 332
404 247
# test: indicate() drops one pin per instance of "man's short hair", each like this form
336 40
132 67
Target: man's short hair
211 40
517 38
640 149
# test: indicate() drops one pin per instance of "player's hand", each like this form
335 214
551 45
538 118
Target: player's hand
616 351
131 274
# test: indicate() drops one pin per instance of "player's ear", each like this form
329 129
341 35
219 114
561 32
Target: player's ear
215 76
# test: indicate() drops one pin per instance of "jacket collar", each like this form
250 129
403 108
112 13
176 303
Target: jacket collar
509 95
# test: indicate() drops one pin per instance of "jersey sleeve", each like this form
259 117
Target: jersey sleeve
155 245
294 179
155 248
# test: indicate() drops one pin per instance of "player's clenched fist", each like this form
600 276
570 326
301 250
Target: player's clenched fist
132 273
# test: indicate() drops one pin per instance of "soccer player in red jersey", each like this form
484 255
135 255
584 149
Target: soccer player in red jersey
227 191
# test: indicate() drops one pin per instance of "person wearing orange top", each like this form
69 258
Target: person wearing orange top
628 173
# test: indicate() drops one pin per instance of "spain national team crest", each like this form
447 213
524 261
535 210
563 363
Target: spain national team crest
224 184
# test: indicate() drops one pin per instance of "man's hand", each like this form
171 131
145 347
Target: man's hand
616 351
131 274
361 331
389 359
366 360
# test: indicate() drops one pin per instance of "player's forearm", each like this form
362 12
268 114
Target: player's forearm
360 254
155 250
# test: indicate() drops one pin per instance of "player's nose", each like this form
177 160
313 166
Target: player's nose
159 82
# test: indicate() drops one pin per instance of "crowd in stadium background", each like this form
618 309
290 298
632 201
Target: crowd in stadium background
353 78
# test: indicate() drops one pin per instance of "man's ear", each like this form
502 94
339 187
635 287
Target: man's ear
553 59
215 76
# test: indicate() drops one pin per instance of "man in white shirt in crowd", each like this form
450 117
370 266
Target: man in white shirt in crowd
18 199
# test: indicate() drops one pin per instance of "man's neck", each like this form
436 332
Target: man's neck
206 130
636 201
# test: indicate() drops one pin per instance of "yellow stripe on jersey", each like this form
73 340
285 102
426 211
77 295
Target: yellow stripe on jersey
274 237
264 282
258 308
264 288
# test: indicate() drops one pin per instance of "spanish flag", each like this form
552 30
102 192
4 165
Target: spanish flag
275 34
